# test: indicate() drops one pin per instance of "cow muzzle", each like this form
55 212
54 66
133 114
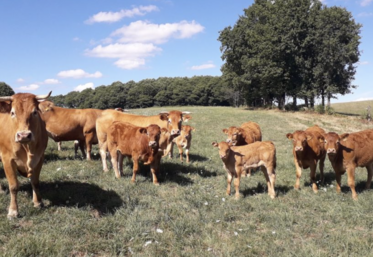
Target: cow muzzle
331 151
153 144
175 132
23 136
298 149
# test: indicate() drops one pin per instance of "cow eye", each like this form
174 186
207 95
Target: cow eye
325 141
169 121
12 113
35 112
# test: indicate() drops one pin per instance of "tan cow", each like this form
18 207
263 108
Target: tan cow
184 141
65 124
236 159
138 143
308 149
169 120
348 151
249 132
22 143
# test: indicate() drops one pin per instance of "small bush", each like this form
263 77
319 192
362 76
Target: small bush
329 110
320 109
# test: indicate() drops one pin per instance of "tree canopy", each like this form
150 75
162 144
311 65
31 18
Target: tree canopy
295 48
5 89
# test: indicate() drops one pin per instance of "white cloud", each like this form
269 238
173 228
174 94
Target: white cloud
78 73
85 86
203 66
365 2
29 87
20 80
363 63
51 81
143 31
130 55
117 16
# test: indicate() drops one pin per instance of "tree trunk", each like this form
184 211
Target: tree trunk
306 101
323 99
294 102
328 100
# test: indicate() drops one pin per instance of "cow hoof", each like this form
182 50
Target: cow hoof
39 205
156 183
12 214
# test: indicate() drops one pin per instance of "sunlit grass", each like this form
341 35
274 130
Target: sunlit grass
91 213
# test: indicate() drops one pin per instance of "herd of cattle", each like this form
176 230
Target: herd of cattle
28 120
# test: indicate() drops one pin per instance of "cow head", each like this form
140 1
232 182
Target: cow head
185 135
25 115
300 139
332 142
234 135
153 133
46 106
224 149
174 120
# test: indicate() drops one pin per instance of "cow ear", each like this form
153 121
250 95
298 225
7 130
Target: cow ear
225 131
344 136
214 144
163 116
193 129
5 107
289 135
186 117
309 137
143 130
321 138
240 131
164 130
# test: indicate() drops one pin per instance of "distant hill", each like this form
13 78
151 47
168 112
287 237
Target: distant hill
353 108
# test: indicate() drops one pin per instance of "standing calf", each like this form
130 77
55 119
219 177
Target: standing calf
236 159
184 141
348 151
308 149
138 143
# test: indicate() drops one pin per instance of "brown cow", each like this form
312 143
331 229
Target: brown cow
169 120
138 143
22 143
348 151
249 132
65 124
236 159
308 149
184 141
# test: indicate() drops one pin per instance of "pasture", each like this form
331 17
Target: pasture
91 213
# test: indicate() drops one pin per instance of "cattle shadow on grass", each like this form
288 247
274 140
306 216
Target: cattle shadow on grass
78 194
261 188
192 157
329 178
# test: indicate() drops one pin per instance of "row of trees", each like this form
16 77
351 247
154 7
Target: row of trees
297 48
198 90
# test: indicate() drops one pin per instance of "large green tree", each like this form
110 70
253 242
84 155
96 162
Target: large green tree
5 89
277 49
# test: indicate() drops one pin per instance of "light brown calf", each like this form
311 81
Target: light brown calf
249 132
348 151
236 159
22 143
308 149
184 141
138 143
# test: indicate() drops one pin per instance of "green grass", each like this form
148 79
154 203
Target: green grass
90 213
353 108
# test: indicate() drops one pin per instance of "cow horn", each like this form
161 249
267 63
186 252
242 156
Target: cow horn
164 112
43 97
186 112
6 98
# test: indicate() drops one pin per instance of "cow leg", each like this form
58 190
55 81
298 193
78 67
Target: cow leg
351 181
170 149
236 182
36 197
298 173
270 176
114 161
313 176
154 168
135 160
321 167
120 163
180 152
59 146
187 155
229 182
103 149
370 173
81 146
338 177
88 141
11 175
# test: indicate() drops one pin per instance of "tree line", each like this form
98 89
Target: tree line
300 49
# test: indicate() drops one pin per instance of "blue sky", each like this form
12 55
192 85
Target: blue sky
71 45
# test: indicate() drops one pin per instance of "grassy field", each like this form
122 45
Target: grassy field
90 213
353 108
